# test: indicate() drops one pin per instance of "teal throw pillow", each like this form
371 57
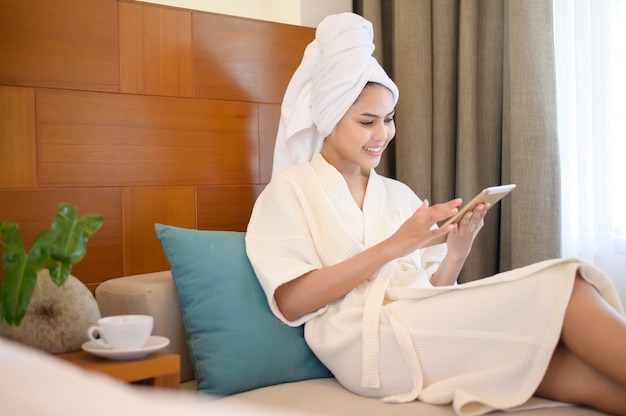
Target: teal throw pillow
235 342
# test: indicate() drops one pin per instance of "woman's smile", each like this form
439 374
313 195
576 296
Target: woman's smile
374 151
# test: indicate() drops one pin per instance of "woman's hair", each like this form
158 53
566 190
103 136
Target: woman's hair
368 84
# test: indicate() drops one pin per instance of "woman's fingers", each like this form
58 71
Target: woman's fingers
446 210
473 221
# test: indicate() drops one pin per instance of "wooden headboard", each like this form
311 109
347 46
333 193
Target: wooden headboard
140 112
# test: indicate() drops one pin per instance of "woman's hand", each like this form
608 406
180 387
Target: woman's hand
418 229
461 238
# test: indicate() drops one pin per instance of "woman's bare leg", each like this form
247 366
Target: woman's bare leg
595 332
569 379
589 365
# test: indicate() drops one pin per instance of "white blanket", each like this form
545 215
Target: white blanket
483 345
34 383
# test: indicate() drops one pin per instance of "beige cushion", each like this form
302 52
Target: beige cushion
151 294
326 397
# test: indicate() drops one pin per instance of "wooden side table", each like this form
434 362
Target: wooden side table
160 369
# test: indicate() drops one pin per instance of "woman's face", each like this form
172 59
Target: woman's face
364 132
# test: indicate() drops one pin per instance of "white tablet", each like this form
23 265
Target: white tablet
489 195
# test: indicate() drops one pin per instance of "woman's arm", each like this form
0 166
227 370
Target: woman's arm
321 287
459 242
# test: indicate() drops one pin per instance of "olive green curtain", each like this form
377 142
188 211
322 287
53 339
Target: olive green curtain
477 108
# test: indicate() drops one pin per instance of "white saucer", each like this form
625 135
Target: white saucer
154 343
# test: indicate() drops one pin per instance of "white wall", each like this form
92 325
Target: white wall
314 11
295 12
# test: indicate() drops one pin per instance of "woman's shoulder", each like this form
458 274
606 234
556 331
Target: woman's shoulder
287 185
291 176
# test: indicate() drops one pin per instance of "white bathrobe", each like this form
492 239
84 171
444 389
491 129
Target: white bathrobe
482 345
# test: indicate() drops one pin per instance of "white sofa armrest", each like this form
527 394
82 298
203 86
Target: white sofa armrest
150 294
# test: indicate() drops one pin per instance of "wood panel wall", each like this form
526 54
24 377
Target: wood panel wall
143 113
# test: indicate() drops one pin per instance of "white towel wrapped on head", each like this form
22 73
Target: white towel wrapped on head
333 72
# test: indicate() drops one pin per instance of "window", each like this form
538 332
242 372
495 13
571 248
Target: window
591 101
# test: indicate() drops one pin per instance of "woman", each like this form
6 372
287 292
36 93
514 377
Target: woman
339 248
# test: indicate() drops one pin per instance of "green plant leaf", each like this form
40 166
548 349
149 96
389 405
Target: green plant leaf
20 271
70 244
59 272
61 246
4 227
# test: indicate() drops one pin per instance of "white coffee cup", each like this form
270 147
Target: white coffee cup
122 332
